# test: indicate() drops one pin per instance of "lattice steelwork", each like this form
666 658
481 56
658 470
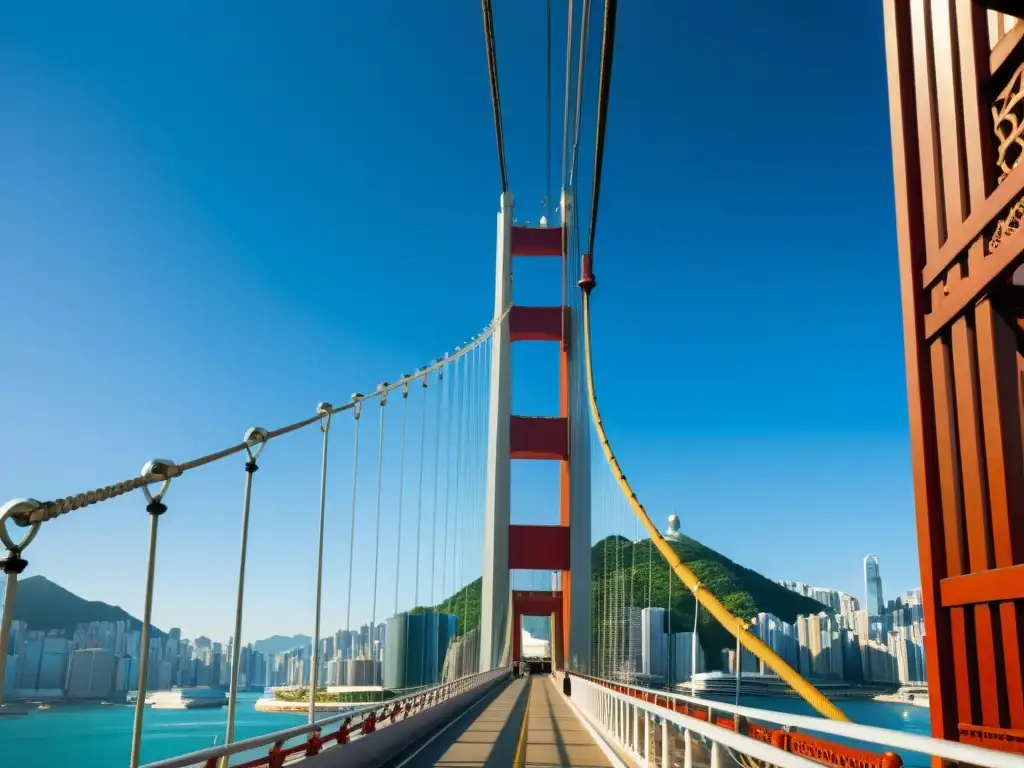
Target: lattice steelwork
955 94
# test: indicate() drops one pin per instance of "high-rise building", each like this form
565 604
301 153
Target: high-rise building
415 653
654 642
91 673
873 602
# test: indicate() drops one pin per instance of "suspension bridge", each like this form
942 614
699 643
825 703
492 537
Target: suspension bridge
444 437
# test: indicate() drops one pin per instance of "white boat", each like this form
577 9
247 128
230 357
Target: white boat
187 698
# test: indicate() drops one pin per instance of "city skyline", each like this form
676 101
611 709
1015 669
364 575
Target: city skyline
538 580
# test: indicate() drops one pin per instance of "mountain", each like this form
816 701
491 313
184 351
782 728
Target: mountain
744 592
45 605
281 644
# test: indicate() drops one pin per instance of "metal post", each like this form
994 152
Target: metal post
665 761
716 755
647 736
158 470
324 409
495 598
13 566
255 436
687 749
635 727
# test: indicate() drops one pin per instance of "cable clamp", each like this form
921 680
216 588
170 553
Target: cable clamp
12 510
254 436
324 410
406 378
441 361
357 405
383 389
157 471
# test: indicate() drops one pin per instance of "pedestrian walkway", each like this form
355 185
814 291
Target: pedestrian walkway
493 738
555 736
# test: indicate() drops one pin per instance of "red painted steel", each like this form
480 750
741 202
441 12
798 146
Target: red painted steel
536 241
537 603
959 200
1003 739
535 323
538 547
539 437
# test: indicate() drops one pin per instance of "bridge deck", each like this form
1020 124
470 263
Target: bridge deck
489 734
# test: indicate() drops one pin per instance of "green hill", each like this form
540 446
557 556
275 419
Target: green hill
45 606
743 591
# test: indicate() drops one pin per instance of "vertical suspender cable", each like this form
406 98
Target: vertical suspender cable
256 436
451 420
401 493
568 99
383 389
668 630
459 536
356 412
547 125
314 663
433 637
419 523
419 494
580 72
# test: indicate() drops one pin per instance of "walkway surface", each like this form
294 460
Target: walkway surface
489 734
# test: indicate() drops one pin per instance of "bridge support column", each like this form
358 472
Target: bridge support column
563 548
494 628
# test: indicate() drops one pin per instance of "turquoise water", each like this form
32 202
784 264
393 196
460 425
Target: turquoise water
95 736
100 736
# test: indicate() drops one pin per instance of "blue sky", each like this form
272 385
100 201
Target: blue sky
211 220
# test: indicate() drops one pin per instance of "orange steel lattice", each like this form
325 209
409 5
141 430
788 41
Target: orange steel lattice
955 87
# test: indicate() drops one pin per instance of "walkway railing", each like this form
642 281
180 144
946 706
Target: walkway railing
351 726
630 715
630 723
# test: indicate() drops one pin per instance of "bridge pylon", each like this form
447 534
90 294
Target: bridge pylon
563 545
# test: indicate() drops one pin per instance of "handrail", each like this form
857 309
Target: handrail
203 756
966 754
736 627
757 749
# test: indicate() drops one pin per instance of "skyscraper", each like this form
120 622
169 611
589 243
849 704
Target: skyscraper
874 604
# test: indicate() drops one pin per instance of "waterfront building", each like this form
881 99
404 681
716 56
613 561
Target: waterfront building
874 602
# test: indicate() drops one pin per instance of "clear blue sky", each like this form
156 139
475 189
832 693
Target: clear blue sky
213 218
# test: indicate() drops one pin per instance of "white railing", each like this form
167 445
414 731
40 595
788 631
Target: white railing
314 742
638 727
889 740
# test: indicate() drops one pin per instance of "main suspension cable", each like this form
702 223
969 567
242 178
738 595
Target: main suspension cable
603 94
165 471
736 627
492 71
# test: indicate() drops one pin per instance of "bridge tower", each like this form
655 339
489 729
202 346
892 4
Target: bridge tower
563 546
956 99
